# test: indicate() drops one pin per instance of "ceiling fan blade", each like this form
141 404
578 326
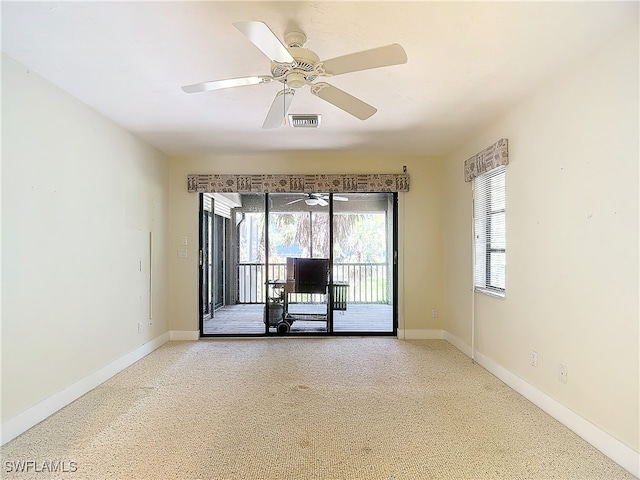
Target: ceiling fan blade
228 83
376 57
343 100
322 202
335 197
278 111
267 41
295 201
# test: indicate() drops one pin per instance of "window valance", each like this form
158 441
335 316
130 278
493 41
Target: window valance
488 159
298 183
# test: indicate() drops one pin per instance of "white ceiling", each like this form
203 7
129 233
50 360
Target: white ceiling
467 62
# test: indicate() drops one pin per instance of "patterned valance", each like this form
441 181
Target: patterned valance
298 183
488 159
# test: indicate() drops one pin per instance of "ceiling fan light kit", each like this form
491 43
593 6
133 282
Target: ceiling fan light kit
295 66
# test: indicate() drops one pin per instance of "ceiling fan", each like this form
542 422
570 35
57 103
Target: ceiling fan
295 66
318 199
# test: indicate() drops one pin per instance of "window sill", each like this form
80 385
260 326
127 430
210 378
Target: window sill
491 293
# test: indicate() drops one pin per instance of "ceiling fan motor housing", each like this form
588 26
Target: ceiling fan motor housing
296 80
299 75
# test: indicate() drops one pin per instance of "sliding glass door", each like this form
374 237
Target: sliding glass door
298 246
308 264
363 266
240 267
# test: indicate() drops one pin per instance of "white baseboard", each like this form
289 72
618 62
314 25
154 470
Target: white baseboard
34 415
613 448
420 334
459 344
181 335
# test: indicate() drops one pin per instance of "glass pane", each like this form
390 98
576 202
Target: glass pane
497 264
497 230
363 262
298 260
320 237
245 277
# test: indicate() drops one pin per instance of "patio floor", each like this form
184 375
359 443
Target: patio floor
248 319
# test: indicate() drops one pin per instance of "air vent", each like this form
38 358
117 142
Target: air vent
304 121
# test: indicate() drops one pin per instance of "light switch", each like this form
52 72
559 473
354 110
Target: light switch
182 253
183 241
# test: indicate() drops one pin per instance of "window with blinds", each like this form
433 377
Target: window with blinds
490 232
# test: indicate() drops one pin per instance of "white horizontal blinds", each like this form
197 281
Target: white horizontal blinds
490 230
219 206
221 209
480 200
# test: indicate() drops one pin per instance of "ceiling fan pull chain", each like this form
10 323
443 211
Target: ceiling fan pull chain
284 104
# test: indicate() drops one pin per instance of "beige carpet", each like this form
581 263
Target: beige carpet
305 408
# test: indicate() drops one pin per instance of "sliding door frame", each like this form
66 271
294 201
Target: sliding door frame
330 332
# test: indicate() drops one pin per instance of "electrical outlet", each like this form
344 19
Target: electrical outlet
562 374
434 313
534 358
140 327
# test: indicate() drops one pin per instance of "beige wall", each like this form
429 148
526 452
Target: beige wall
572 233
420 215
79 198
